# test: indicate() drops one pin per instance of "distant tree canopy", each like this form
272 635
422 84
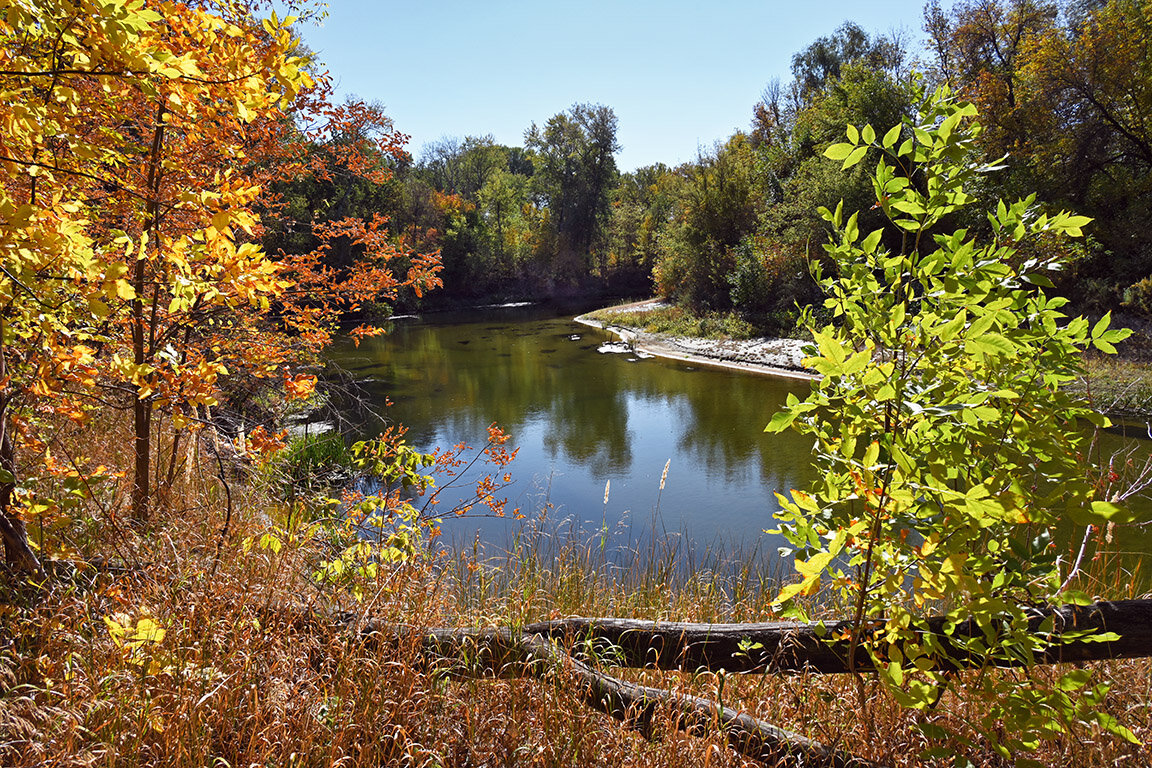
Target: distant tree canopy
1066 93
507 221
576 171
1064 90
746 212
821 62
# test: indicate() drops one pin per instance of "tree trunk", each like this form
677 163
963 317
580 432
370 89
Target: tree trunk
141 354
782 646
18 551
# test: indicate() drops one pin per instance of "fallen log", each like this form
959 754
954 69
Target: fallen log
787 646
545 650
502 653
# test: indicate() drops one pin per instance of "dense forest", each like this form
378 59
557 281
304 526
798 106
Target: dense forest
189 218
1063 88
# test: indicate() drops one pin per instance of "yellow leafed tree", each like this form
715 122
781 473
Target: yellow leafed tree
136 142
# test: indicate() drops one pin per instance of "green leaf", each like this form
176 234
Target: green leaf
1077 598
981 325
948 331
871 454
1110 724
1115 513
781 421
855 157
1102 325
891 137
1074 680
1036 278
991 344
839 151
829 347
896 318
1104 346
909 206
949 125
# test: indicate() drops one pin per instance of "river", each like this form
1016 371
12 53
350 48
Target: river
586 415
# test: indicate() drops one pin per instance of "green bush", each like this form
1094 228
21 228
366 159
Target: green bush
949 445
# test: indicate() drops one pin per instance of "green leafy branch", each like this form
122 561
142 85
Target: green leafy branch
947 442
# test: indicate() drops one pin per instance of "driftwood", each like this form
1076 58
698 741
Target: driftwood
783 646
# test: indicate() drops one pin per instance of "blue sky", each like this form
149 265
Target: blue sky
679 75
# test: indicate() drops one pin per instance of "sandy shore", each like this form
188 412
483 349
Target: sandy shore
771 357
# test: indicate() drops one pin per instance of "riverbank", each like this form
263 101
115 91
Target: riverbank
769 356
1120 385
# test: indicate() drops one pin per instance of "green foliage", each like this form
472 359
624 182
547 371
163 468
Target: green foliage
822 61
364 534
392 463
719 203
1066 92
1138 296
769 282
747 211
948 445
575 174
753 286
642 206
313 460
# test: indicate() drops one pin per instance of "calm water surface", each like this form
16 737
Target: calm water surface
583 418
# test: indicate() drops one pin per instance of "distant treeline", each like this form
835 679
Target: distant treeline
1064 90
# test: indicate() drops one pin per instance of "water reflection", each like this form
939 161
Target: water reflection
583 418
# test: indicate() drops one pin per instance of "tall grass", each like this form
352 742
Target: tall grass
1118 386
679 321
218 664
551 570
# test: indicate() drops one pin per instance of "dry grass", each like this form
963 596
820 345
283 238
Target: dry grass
235 681
1118 386
679 321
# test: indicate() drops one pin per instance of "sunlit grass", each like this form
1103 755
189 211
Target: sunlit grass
1118 386
679 321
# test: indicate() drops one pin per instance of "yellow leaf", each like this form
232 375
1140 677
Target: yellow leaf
125 290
